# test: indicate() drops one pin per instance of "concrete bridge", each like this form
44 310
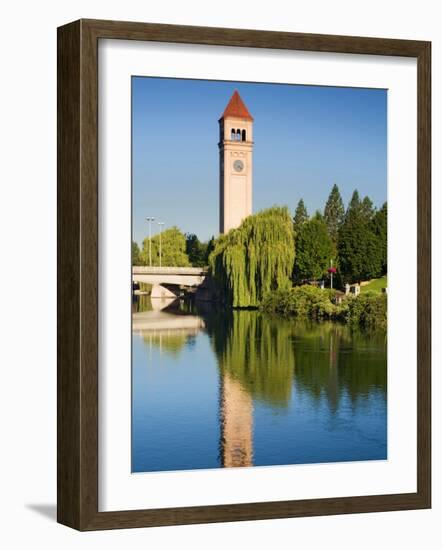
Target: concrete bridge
168 282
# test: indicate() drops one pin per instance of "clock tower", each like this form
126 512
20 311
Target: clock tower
235 164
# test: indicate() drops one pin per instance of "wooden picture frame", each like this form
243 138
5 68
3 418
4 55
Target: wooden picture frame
78 274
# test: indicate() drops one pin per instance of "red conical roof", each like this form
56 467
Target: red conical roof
236 108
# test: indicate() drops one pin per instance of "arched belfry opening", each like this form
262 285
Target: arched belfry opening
243 135
233 135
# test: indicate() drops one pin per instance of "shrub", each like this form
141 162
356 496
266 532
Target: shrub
368 311
303 301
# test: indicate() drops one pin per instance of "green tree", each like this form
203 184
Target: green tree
334 213
196 250
173 249
136 260
301 215
255 258
358 253
367 209
379 226
209 249
314 249
354 206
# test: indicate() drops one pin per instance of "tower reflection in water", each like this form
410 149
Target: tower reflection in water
256 361
236 416
265 361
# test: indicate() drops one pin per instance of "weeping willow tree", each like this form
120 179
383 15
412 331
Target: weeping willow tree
255 350
255 258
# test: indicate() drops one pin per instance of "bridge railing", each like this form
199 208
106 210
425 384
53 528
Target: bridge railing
168 270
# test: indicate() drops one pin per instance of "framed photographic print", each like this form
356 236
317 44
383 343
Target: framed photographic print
236 209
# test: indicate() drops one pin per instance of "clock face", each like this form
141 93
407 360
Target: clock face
238 166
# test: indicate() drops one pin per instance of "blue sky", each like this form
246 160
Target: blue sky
306 139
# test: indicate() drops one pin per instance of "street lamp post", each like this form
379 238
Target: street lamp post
331 270
150 219
161 230
331 273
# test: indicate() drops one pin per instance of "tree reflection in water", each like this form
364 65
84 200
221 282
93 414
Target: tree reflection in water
261 357
268 360
267 355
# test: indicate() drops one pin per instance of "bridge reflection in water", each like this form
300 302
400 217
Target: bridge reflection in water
161 328
273 365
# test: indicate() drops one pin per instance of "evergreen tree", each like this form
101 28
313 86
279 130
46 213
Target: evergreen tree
367 209
358 253
354 206
379 226
301 215
314 249
334 213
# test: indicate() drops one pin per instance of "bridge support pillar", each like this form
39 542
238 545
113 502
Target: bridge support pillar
160 291
207 291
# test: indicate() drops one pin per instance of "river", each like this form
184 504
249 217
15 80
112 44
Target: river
214 388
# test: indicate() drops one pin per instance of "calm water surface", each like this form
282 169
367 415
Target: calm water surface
218 389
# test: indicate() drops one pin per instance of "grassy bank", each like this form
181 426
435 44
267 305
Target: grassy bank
367 311
375 285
